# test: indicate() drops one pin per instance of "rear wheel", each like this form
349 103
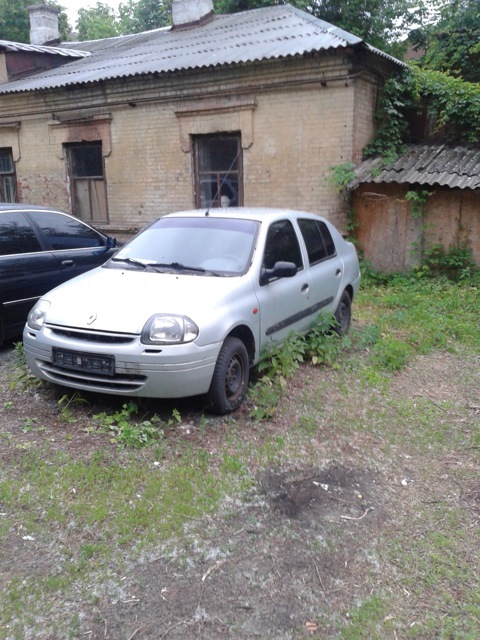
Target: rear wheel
343 314
230 378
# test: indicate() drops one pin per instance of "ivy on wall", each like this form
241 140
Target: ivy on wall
452 104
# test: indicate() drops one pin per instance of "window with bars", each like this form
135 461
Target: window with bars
8 179
218 171
87 175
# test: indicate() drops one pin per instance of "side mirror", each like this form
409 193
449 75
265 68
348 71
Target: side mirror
279 270
111 243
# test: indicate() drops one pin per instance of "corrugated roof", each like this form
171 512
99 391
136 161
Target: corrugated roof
250 36
6 45
456 167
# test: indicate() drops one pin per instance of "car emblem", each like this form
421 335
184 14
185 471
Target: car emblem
92 319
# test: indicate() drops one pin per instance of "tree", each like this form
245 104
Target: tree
453 44
143 15
381 24
15 20
98 22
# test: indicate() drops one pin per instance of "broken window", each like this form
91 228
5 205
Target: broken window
8 180
218 171
89 190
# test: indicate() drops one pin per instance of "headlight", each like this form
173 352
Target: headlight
165 329
36 317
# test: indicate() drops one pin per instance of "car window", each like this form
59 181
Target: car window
64 232
318 240
282 245
16 235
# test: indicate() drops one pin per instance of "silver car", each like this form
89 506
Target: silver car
191 303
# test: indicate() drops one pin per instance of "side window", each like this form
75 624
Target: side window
16 235
318 240
63 232
218 171
282 245
87 176
8 179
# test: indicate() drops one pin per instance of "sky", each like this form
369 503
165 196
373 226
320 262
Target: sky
72 6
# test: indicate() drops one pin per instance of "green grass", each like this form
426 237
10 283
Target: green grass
96 514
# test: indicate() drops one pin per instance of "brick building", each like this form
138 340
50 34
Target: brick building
256 106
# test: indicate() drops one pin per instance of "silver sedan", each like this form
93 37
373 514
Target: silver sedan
191 303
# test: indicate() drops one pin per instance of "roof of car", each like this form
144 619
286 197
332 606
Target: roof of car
11 206
251 213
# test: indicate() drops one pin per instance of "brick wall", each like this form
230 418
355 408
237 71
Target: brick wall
297 119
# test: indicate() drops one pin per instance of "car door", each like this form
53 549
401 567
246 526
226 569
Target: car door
27 271
283 302
324 263
75 245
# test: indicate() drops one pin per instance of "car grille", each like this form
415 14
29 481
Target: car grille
118 382
92 336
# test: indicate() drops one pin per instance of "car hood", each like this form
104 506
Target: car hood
117 300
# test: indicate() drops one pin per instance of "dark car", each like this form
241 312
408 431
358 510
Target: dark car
39 249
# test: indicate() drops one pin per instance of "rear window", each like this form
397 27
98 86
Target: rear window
318 240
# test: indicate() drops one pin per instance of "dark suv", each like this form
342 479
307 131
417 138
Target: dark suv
39 249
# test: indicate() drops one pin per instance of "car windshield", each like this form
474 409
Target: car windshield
222 246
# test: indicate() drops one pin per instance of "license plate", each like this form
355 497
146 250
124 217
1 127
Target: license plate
91 362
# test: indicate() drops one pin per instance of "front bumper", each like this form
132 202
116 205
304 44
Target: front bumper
167 371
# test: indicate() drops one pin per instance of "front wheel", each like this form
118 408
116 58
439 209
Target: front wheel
230 378
343 314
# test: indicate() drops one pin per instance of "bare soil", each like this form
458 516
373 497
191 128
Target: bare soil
309 542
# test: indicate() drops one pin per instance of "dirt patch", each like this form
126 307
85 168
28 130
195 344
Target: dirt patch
268 569
306 545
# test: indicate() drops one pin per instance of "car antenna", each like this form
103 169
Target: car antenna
207 212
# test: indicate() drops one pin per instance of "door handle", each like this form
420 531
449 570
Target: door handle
338 272
305 287
67 263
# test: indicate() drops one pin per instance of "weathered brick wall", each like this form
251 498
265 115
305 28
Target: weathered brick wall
297 120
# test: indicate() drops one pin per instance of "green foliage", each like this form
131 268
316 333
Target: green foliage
456 263
97 22
395 100
129 431
66 403
320 346
136 16
341 175
418 198
391 354
452 104
452 44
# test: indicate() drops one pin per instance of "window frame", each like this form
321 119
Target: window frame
90 180
221 175
326 238
4 175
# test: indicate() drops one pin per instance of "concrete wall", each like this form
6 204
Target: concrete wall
391 239
297 119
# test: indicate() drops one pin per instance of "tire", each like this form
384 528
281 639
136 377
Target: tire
230 378
343 315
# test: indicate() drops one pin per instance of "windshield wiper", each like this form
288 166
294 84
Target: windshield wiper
162 266
137 263
179 266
